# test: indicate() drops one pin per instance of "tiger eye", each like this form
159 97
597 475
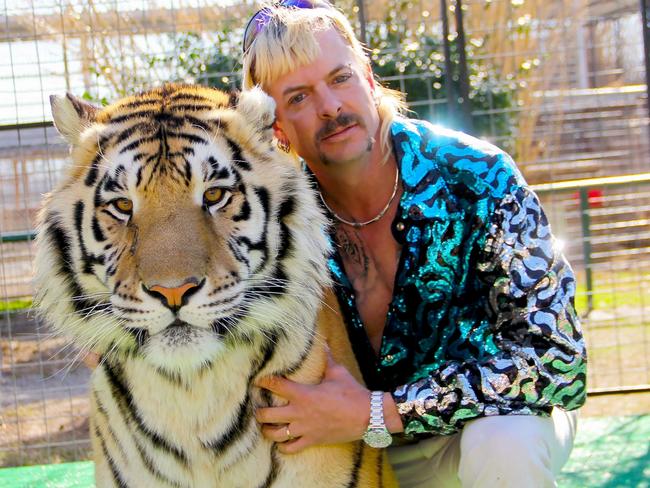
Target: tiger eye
213 195
124 205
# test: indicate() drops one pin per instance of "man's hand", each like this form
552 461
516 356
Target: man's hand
334 411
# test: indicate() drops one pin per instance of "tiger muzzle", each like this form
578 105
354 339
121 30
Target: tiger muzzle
174 297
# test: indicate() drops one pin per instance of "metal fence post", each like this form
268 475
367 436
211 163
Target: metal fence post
585 221
645 18
463 74
363 37
449 69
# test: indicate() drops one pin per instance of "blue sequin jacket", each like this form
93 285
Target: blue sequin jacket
482 319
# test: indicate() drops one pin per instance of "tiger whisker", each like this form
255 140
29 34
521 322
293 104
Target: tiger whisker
93 296
89 313
91 341
88 308
82 353
115 347
103 333
83 350
300 295
293 323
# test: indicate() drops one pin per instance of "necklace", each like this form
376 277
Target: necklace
356 225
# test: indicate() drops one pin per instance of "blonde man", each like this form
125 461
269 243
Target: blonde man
458 305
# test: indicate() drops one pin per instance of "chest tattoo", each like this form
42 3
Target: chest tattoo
353 252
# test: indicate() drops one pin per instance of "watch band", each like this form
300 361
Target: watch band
377 410
377 434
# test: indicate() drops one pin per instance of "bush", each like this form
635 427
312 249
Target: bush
412 60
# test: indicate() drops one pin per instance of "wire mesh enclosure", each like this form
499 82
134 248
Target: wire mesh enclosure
560 84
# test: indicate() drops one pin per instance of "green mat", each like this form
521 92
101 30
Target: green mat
610 452
51 476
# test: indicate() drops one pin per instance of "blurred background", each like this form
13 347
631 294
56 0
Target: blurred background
560 84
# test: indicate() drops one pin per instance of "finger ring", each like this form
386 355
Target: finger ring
288 432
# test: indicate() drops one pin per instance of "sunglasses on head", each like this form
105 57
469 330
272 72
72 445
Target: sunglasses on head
262 17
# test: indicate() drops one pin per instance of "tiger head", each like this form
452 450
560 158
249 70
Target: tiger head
179 229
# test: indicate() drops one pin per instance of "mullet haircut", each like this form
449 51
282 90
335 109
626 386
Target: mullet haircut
288 41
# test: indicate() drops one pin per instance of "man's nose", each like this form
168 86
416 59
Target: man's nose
329 104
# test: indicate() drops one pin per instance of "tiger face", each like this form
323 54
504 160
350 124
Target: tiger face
178 230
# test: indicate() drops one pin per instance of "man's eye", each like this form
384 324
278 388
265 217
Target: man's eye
343 77
296 98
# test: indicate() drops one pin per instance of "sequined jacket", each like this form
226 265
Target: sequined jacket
482 318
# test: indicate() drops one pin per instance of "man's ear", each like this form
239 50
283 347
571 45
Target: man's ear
370 78
279 133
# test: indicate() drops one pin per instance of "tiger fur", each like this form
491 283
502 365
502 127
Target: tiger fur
191 255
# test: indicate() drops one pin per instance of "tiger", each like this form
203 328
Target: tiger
191 254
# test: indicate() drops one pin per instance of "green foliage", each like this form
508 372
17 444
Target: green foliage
411 59
197 59
187 57
88 97
406 57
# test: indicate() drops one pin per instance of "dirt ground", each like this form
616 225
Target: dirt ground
43 397
44 405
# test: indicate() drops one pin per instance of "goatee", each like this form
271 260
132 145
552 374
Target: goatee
371 142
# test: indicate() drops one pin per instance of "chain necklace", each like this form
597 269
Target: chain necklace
357 225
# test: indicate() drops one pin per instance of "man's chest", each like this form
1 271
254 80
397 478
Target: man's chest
370 258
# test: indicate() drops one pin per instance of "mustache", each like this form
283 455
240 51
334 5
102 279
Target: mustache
331 126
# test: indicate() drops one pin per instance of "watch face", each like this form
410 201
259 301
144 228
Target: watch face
378 438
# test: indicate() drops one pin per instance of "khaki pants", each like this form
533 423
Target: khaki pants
521 451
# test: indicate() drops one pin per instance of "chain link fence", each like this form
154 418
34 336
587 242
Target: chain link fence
560 84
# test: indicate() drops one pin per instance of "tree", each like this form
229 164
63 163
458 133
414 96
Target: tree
406 55
409 57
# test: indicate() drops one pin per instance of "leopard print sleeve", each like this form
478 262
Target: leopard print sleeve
541 361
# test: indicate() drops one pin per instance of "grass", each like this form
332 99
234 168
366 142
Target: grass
610 452
614 289
16 304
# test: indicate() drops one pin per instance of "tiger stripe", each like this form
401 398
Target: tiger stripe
245 409
93 171
144 456
117 477
129 410
104 416
237 157
88 259
273 470
63 244
358 458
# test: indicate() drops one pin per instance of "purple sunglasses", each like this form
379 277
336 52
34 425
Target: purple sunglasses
263 16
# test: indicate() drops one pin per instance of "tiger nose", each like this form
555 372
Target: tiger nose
175 297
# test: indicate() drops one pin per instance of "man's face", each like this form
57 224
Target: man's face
326 108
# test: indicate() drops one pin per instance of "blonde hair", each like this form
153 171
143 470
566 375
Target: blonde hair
287 41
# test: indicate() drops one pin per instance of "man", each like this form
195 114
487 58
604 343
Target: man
458 306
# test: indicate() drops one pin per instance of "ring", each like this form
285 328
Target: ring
288 432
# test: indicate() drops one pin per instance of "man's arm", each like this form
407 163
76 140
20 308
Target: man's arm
542 360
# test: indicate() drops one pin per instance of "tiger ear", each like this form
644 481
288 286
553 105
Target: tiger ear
71 116
258 109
